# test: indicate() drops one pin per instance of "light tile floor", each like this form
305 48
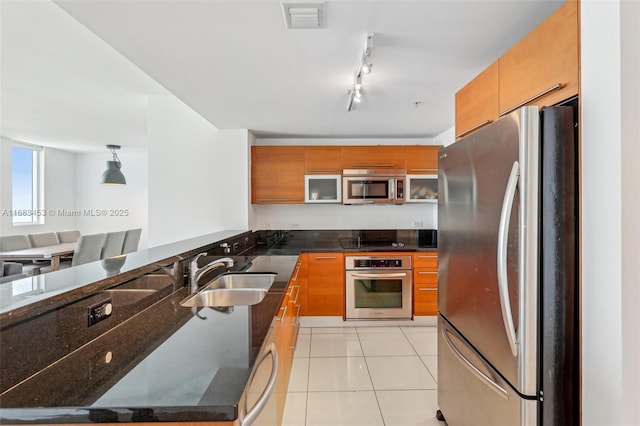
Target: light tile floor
351 376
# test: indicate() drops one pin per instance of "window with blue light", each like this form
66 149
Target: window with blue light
26 184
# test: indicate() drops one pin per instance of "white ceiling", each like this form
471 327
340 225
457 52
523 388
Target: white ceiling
234 63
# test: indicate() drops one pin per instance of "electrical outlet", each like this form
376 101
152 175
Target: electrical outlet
99 312
295 225
417 224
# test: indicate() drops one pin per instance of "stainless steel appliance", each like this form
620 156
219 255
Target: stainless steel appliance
507 340
378 287
373 186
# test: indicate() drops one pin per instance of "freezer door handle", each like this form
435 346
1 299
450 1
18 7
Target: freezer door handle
491 383
503 237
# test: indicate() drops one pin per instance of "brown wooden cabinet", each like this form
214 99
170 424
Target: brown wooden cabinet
422 159
374 157
542 68
322 160
425 283
277 175
325 284
477 102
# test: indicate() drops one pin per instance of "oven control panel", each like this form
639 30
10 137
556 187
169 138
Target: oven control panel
377 262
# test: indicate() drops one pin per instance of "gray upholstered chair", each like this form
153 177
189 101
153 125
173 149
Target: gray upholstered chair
43 239
68 236
19 242
14 242
113 244
88 249
10 271
131 240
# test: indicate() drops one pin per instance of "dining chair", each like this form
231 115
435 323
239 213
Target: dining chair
88 249
131 240
113 244
20 242
68 236
14 242
43 239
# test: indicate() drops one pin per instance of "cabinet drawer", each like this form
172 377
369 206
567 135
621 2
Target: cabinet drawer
423 275
425 299
426 259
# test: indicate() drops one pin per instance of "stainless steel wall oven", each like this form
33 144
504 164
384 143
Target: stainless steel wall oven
378 287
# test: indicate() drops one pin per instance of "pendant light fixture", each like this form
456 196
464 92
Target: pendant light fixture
113 175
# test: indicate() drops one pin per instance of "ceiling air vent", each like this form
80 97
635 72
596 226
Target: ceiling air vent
303 14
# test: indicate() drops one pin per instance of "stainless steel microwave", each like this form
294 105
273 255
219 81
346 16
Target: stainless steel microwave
373 186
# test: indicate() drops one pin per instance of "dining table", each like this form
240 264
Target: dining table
51 253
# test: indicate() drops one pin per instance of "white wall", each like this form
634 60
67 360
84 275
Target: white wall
610 211
197 175
59 191
336 216
126 206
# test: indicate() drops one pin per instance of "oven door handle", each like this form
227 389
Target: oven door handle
392 275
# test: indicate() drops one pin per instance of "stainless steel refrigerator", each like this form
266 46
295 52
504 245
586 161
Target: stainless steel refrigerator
507 231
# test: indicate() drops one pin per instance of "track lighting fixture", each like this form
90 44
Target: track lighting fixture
364 67
113 175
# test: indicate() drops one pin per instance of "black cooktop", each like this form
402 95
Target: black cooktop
356 243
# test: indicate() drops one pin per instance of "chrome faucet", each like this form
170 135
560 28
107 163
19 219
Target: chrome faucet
196 273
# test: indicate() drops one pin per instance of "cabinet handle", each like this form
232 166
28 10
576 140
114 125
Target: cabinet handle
484 123
373 165
297 294
533 98
427 289
427 257
284 312
424 170
325 257
324 170
427 273
295 278
279 199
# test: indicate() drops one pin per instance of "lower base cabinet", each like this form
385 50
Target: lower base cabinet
325 284
425 283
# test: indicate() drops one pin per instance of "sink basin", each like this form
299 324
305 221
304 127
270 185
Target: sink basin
261 280
233 289
226 297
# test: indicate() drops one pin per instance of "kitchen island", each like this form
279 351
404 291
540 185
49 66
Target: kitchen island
153 360
150 360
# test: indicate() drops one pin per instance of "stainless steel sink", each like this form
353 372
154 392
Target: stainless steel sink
225 297
233 289
242 280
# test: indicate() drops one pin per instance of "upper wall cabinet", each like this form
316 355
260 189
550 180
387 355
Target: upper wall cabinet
373 157
322 160
542 68
277 175
477 102
422 159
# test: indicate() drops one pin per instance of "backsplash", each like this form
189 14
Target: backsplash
337 216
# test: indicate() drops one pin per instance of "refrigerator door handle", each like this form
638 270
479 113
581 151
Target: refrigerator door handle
503 237
491 383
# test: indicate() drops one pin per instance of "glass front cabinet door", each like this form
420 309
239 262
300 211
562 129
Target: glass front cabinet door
422 189
322 189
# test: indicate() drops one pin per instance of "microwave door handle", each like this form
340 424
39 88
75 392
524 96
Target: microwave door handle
392 183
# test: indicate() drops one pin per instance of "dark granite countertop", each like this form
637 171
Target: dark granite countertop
167 363
159 361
